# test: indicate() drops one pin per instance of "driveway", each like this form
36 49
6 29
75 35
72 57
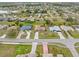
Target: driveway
28 34
3 36
36 35
19 35
61 35
45 48
34 45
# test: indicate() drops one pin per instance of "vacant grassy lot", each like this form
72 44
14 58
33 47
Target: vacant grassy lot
7 50
74 34
39 50
54 49
23 49
48 35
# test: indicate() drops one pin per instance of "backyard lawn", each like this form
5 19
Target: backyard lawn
74 34
54 49
48 35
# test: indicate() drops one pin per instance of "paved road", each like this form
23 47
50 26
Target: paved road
40 40
68 42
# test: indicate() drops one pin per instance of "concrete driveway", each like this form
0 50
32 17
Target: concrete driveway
28 34
19 35
36 35
3 36
45 48
61 35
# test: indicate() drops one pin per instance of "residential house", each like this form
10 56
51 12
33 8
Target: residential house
40 28
29 27
55 29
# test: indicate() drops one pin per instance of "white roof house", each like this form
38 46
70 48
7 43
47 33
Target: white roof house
3 12
55 29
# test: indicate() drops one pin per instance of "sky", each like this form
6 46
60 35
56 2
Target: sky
39 0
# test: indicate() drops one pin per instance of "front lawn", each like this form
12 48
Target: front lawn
48 35
74 34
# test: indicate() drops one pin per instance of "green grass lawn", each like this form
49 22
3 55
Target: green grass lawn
2 32
48 35
39 51
32 34
74 34
77 44
6 22
7 50
77 48
23 49
54 49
